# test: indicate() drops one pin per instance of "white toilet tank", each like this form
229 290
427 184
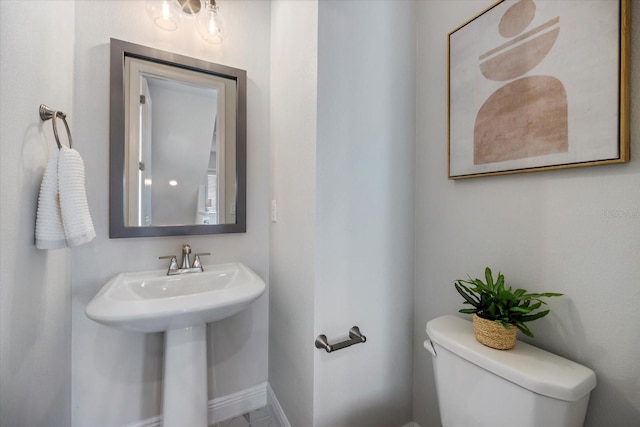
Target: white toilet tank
525 386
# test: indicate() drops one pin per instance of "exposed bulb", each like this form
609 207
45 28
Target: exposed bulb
164 13
211 24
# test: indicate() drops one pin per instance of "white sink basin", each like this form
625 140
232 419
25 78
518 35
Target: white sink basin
151 301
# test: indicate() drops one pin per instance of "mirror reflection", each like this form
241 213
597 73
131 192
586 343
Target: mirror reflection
181 159
176 163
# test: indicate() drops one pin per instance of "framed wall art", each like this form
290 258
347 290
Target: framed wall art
538 85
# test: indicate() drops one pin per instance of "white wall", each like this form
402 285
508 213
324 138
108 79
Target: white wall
116 376
294 48
342 248
575 231
365 211
35 285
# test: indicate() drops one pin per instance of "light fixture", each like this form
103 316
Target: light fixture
164 13
211 24
167 14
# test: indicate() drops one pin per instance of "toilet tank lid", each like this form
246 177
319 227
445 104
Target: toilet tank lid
530 367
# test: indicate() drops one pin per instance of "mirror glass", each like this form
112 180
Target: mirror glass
178 144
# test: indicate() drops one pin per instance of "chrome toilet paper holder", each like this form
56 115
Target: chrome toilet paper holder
355 337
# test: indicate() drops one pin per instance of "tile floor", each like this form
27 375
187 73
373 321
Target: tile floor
258 418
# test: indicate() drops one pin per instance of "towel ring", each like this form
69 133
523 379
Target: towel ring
47 113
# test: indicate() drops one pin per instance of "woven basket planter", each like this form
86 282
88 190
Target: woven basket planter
493 334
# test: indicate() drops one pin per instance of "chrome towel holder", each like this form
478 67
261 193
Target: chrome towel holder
355 337
46 113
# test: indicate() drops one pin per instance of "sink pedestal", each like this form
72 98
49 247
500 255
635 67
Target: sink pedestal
185 397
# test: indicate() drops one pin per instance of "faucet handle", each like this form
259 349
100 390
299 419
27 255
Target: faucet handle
173 264
196 259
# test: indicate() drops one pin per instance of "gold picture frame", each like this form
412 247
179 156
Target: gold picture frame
539 85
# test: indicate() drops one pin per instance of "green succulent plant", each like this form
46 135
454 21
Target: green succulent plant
493 301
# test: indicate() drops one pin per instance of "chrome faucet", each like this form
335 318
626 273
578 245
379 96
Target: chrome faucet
186 265
186 262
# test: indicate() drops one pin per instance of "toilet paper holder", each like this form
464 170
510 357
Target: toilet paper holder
355 337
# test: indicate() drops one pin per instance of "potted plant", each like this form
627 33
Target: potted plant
499 311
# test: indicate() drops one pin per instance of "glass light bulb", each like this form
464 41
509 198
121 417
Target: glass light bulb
164 13
211 24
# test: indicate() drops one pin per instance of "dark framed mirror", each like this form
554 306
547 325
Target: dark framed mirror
177 144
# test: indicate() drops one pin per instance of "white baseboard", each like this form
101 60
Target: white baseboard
149 422
278 412
225 407
236 404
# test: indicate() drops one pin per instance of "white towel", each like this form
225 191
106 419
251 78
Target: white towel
49 230
76 219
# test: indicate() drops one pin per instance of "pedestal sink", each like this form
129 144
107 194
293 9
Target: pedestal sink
181 306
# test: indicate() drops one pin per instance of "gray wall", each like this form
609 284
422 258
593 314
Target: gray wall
35 285
575 231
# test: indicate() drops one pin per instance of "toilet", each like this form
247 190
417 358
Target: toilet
526 386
